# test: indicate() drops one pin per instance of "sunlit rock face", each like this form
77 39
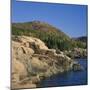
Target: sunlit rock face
32 61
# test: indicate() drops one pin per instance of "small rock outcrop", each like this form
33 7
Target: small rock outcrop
32 61
77 67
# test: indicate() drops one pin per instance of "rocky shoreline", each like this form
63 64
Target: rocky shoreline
33 61
76 53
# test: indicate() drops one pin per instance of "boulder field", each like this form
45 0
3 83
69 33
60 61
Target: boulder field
33 61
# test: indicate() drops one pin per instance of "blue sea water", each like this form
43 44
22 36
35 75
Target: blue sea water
70 78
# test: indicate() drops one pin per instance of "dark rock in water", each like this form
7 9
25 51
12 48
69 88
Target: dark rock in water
77 67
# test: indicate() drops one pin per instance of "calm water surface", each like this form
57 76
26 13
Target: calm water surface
69 78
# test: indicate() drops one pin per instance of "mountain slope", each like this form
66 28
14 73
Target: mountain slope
40 26
53 37
82 39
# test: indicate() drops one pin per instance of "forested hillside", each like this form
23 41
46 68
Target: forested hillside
53 37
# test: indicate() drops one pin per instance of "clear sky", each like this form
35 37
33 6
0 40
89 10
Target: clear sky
71 19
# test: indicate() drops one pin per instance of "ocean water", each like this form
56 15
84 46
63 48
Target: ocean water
70 78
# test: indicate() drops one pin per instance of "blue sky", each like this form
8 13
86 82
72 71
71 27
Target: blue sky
71 19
